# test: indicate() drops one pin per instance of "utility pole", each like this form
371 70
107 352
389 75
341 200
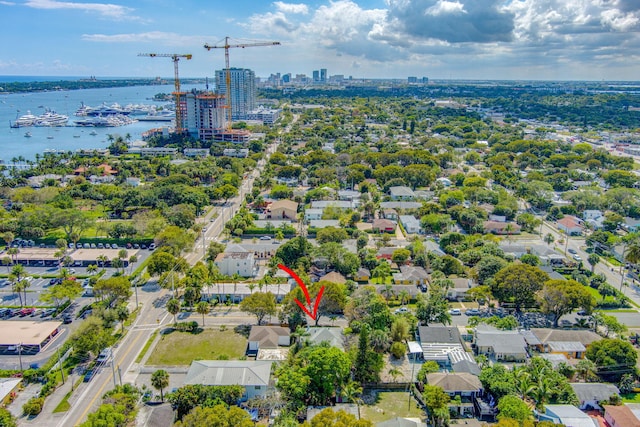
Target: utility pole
120 375
204 229
113 370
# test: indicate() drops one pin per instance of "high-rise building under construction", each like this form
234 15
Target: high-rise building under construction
243 90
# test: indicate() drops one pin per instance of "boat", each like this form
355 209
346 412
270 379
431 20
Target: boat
49 137
105 110
24 121
51 118
93 133
158 117
83 110
27 135
76 136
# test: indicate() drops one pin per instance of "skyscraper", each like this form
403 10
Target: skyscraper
323 75
243 90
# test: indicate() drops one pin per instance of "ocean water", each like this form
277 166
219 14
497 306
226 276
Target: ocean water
14 144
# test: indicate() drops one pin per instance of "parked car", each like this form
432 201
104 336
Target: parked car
129 246
152 246
472 312
100 245
114 246
265 237
577 257
26 311
66 319
572 251
107 246
93 246
136 246
455 312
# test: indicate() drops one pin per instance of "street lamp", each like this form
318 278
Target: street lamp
20 354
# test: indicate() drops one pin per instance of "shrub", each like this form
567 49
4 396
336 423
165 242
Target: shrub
33 406
398 349
187 326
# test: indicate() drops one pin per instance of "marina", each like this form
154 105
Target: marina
139 99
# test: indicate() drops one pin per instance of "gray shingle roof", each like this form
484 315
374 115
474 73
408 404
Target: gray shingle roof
229 372
594 391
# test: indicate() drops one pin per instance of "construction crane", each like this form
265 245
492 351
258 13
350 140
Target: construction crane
226 46
175 57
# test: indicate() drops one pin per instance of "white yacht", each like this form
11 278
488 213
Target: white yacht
51 118
26 120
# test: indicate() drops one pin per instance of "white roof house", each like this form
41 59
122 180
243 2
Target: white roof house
254 376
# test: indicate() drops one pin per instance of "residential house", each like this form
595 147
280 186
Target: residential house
283 209
390 291
253 375
498 227
411 224
442 344
349 195
444 181
267 337
459 289
386 252
434 247
547 335
382 225
333 336
411 275
390 214
133 181
342 205
465 385
591 395
631 224
568 415
570 349
401 193
236 292
241 263
312 214
362 275
333 277
400 205
196 152
593 217
508 346
620 416
570 225
402 422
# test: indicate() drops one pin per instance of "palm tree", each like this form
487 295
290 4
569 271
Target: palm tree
173 307
13 253
351 392
586 369
123 314
593 259
298 337
102 260
92 268
203 308
524 385
160 381
549 239
388 291
633 253
251 287
404 296
395 373
132 260
540 392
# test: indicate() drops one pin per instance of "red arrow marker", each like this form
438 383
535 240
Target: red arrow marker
304 308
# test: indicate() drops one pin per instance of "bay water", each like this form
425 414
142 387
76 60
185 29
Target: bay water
14 144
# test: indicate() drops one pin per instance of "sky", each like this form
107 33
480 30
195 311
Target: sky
439 39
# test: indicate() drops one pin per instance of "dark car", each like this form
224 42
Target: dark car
89 374
572 251
67 319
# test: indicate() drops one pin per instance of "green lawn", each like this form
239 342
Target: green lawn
181 348
391 405
630 397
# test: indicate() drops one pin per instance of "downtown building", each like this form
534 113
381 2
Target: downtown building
243 90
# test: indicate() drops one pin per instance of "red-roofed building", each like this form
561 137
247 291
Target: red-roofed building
570 225
620 416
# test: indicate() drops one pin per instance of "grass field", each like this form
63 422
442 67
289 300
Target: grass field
209 344
391 405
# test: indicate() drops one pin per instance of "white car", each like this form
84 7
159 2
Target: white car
577 257
402 310
455 312
265 237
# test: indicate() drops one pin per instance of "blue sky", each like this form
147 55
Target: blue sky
439 39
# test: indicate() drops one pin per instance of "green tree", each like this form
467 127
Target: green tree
436 401
260 304
328 418
331 234
428 367
613 357
593 259
433 308
203 308
559 297
90 337
366 362
218 416
6 418
173 307
160 381
351 392
518 283
514 408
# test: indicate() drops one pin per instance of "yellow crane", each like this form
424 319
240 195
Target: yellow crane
226 46
175 57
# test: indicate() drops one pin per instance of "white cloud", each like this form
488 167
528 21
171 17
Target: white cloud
291 8
444 7
7 3
166 38
268 23
105 9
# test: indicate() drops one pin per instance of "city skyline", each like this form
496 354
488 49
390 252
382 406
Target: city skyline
439 39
